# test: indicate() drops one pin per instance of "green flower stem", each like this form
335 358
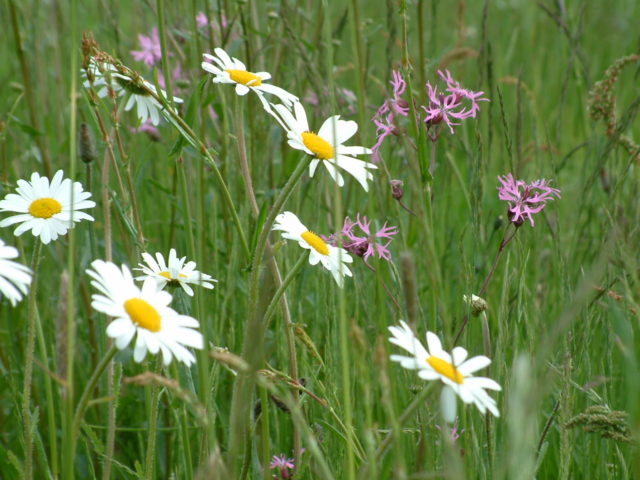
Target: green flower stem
90 385
28 368
273 304
266 448
153 424
254 330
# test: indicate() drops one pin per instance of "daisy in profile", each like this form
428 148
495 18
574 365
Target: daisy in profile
46 208
332 258
105 77
173 272
143 313
228 69
327 145
15 278
454 370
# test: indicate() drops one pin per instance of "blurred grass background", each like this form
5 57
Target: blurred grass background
563 304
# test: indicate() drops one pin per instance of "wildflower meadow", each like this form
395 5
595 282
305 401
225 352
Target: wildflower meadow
280 239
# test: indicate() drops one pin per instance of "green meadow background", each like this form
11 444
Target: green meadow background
563 303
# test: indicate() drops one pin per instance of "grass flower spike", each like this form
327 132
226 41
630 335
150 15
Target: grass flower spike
455 370
332 258
173 272
524 199
228 69
143 313
323 146
105 77
48 209
15 278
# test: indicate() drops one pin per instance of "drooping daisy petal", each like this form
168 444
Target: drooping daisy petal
143 313
15 278
48 209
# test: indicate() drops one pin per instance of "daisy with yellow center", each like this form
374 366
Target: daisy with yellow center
332 258
175 272
15 278
143 313
455 370
228 69
48 209
326 146
105 76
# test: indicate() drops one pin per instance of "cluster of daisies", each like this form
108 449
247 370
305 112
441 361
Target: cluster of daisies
49 209
140 306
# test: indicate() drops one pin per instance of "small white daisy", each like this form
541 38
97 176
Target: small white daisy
323 146
47 209
455 370
228 69
15 278
106 75
332 258
144 313
175 271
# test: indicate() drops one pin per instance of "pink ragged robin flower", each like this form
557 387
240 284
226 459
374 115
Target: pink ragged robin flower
284 466
458 104
150 52
385 118
365 243
525 199
454 432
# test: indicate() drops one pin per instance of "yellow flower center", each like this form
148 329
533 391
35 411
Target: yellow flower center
45 207
168 276
445 368
245 78
317 145
142 313
316 242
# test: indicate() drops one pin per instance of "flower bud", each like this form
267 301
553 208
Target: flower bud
87 144
477 304
396 189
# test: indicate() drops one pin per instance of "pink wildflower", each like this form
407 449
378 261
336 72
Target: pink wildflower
447 108
148 128
150 52
454 433
284 465
525 199
385 117
201 20
369 244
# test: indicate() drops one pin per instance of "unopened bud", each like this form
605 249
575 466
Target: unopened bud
396 189
477 304
87 144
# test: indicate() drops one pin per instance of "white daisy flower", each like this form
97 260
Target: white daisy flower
144 313
332 258
324 146
455 370
106 76
228 69
47 209
175 271
15 278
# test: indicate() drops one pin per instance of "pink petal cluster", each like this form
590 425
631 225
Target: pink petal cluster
458 104
284 465
385 118
524 199
454 431
365 243
150 52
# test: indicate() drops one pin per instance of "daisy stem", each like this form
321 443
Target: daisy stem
273 304
264 419
417 402
254 330
28 368
153 424
86 393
